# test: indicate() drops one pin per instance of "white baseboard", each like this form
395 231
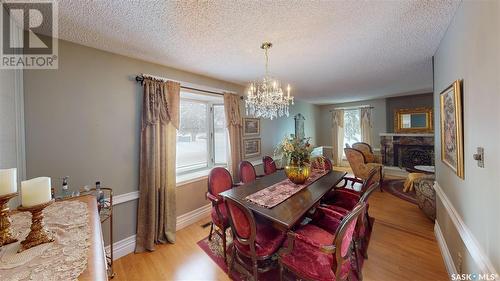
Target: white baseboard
445 252
122 247
193 216
475 250
126 246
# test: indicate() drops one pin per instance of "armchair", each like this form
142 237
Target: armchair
361 168
367 151
426 195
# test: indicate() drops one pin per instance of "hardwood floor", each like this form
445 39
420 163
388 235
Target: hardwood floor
402 247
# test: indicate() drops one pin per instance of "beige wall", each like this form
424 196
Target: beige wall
379 120
470 50
82 121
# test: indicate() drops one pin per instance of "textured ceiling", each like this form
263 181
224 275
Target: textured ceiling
329 51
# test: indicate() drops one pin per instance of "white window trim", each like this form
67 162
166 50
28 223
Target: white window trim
197 174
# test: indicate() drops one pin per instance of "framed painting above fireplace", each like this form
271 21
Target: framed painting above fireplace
452 153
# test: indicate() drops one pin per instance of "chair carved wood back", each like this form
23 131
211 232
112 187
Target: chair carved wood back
322 162
373 177
269 165
344 237
219 180
242 223
247 172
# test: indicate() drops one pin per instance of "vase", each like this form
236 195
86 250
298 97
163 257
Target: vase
297 173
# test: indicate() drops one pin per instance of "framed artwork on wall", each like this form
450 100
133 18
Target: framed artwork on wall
251 126
452 151
251 148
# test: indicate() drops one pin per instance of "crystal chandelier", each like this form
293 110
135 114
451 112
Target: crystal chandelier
265 98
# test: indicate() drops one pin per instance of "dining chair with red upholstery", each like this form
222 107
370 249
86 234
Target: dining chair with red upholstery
269 165
322 163
247 172
347 198
253 240
364 228
219 180
313 253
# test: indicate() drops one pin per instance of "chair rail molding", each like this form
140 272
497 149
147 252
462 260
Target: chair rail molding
475 250
125 197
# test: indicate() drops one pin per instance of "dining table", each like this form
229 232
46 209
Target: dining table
291 211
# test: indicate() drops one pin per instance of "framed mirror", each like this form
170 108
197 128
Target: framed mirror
417 120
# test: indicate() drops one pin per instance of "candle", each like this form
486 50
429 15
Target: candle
288 90
35 191
8 181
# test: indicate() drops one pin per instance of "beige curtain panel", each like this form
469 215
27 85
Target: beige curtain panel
366 125
338 136
233 121
156 218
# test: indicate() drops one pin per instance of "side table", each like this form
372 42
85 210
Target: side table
106 214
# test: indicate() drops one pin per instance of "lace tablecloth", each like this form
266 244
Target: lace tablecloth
63 259
279 192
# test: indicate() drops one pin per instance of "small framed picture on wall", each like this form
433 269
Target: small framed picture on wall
251 127
251 148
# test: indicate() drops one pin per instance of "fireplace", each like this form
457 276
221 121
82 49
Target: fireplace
407 150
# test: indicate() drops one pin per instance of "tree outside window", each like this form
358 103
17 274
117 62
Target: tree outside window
352 126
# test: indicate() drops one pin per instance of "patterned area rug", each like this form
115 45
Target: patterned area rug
213 249
395 187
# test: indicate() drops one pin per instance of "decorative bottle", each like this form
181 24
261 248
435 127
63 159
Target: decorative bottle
65 187
99 195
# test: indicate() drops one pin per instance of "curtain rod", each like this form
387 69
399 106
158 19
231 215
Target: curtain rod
352 107
140 79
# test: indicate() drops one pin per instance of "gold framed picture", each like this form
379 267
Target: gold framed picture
251 126
452 150
251 148
417 120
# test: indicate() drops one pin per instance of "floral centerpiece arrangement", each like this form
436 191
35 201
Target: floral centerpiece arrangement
296 153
